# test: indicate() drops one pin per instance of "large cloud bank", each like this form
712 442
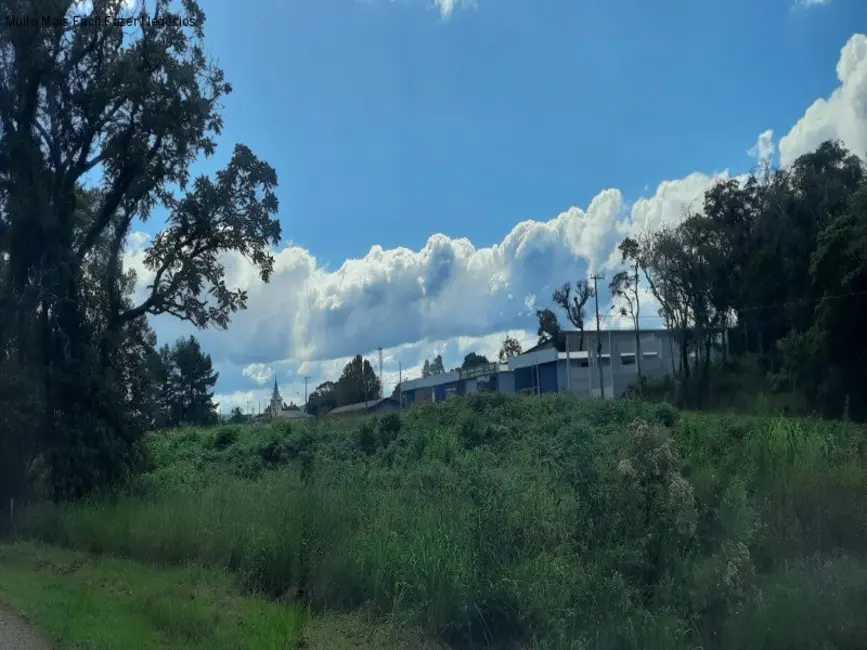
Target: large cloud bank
450 296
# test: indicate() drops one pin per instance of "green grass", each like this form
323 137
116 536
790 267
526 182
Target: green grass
98 603
101 602
546 522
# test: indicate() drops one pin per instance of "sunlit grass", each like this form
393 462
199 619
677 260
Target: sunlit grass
495 520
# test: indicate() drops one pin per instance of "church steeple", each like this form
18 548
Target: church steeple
276 400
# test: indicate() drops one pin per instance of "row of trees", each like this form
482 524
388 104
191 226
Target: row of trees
99 127
357 383
774 265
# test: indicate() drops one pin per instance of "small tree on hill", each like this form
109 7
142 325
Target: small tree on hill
358 383
549 329
434 367
510 348
573 303
473 360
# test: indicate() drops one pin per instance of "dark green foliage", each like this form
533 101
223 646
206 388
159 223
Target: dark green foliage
137 106
473 431
323 399
225 437
366 439
389 426
473 360
549 329
505 520
666 414
186 392
777 261
357 384
274 451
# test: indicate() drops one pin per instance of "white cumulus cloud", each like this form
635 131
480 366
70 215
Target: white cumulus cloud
764 148
452 297
841 116
258 372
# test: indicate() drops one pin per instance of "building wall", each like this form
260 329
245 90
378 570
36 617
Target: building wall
548 377
546 370
617 371
506 382
525 379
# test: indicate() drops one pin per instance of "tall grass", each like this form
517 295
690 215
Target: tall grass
551 522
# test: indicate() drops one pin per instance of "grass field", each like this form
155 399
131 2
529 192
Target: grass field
533 522
113 604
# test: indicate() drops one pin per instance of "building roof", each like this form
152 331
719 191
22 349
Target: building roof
361 406
292 414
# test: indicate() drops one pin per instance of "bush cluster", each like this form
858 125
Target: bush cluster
552 522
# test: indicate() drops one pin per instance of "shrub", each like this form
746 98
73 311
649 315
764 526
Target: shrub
389 428
517 521
366 439
666 414
226 437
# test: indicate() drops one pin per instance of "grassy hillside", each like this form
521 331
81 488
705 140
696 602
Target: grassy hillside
549 522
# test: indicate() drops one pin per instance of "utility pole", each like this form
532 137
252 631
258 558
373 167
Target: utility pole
305 393
399 382
381 385
596 277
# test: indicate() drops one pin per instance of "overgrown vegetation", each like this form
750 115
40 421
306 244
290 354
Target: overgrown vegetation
547 522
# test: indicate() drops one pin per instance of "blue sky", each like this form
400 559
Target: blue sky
389 121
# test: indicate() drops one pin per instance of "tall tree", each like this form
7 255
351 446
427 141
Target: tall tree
322 399
549 329
192 379
434 367
829 358
625 285
573 304
473 360
510 348
358 383
135 105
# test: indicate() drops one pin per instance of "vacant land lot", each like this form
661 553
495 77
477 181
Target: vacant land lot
536 522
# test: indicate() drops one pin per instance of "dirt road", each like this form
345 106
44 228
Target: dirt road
15 634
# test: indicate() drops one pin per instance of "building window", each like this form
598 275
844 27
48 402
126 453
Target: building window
584 363
627 358
650 355
451 391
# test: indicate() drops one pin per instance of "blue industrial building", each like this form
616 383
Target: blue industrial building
543 369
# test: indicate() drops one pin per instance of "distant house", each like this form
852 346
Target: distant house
370 407
544 369
277 409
